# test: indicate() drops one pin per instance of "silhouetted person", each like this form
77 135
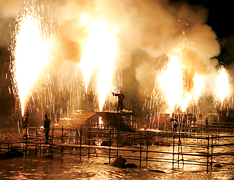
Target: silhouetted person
120 101
175 125
90 99
25 126
46 128
206 122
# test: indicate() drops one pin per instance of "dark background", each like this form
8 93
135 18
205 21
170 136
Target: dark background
221 19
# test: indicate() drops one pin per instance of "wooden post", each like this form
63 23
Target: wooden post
134 137
80 142
117 143
110 147
207 170
36 132
182 155
52 146
211 151
140 148
147 146
179 152
173 145
219 127
89 136
62 135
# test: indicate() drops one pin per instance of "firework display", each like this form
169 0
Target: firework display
56 63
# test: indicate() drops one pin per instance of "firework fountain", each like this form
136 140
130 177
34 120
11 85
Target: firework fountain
45 84
31 51
171 80
222 85
60 84
99 54
198 86
175 87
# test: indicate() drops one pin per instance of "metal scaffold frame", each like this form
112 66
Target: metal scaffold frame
113 143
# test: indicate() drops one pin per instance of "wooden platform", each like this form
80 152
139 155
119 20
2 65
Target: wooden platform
80 118
76 120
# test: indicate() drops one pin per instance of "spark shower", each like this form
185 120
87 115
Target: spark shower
45 82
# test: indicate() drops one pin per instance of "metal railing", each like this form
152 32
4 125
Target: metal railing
183 148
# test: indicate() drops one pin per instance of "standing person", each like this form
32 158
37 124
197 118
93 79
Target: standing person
46 128
25 126
90 99
120 100
175 124
206 122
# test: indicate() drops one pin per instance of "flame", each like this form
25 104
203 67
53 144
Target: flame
100 123
171 81
222 84
184 102
198 86
99 54
30 52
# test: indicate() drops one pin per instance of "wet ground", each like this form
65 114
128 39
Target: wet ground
34 166
71 168
38 166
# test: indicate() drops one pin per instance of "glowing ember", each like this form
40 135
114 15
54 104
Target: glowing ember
99 54
198 86
171 81
30 52
222 84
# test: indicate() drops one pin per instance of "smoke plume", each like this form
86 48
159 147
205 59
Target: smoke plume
146 32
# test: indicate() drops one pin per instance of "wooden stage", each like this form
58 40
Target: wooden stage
110 120
74 121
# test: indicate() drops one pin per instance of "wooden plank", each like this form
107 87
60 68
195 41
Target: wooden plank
74 121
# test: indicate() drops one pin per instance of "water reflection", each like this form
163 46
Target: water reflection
32 167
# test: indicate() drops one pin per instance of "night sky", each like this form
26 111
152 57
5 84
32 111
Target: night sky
220 15
221 19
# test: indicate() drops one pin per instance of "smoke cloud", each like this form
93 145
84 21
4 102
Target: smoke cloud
10 8
8 11
146 31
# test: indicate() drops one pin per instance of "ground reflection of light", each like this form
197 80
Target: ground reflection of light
148 129
99 141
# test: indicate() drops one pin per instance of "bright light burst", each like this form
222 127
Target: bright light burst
184 102
222 84
30 51
171 80
99 54
198 86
